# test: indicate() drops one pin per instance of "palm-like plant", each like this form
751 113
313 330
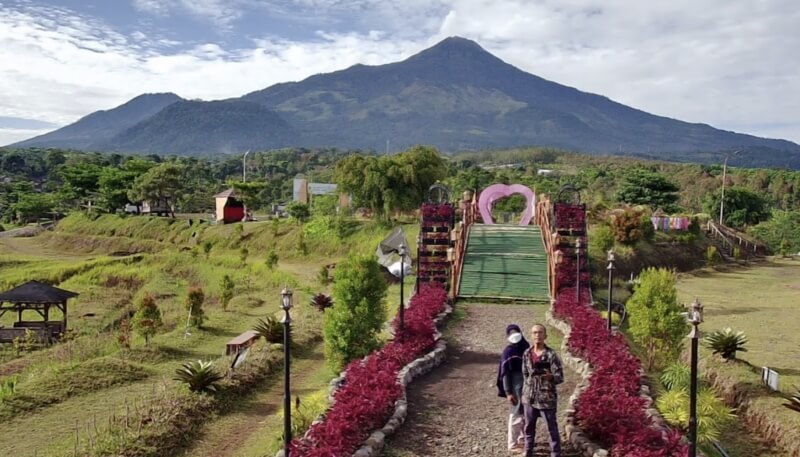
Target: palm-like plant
201 376
321 301
793 401
270 329
712 414
727 342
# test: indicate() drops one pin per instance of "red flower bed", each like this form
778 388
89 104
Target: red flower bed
436 211
570 216
366 400
610 410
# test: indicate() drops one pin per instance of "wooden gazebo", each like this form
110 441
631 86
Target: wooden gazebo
39 297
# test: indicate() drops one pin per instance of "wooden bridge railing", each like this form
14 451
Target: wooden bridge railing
459 236
543 210
731 237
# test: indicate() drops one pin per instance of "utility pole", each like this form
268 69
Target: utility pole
244 166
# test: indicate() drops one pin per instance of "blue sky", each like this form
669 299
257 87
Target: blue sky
733 65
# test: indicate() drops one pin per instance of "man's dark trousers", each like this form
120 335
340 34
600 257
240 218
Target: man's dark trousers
531 415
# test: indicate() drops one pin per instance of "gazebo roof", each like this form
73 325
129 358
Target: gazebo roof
226 194
36 292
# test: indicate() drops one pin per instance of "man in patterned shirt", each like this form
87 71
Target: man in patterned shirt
542 371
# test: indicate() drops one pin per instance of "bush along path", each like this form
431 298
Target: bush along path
455 410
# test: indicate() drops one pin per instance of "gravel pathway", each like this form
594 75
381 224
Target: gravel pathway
455 410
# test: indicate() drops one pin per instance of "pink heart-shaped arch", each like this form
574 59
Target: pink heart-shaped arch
496 191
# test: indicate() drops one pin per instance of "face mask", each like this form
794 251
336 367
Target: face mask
515 338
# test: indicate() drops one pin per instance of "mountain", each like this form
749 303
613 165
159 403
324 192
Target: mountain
100 126
454 95
195 127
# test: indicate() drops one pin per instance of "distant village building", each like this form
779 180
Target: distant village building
160 207
303 191
229 208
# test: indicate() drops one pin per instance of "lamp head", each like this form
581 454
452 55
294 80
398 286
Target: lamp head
696 312
286 299
401 250
578 243
611 257
559 256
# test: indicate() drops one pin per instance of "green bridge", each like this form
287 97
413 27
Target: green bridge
504 262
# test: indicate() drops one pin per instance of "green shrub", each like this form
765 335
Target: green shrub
207 245
270 329
302 247
654 316
199 375
712 414
712 255
354 321
243 253
194 305
147 319
226 293
676 376
726 342
604 237
306 411
8 387
272 259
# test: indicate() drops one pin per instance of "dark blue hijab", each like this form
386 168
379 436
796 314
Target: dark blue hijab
512 358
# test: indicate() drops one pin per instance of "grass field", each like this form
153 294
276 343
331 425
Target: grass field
762 300
113 262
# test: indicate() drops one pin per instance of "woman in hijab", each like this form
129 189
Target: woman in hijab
509 385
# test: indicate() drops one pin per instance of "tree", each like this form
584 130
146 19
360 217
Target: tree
352 325
250 192
160 184
82 178
113 186
781 232
644 187
388 183
194 305
655 320
33 206
147 319
742 207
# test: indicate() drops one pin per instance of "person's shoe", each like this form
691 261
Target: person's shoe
516 450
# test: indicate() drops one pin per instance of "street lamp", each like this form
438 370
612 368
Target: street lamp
695 318
578 277
610 269
244 166
724 172
402 251
286 305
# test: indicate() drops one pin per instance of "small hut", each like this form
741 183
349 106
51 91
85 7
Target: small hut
39 297
229 208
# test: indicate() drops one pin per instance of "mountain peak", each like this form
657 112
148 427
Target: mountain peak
455 48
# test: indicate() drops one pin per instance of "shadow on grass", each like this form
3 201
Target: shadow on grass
733 311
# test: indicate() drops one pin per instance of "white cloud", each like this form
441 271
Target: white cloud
729 64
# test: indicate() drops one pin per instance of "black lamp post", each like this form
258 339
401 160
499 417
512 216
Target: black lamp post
578 277
610 269
286 305
695 318
402 251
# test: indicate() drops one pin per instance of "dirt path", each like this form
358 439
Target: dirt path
455 409
250 428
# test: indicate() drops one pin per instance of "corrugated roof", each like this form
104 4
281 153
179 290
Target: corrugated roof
36 292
